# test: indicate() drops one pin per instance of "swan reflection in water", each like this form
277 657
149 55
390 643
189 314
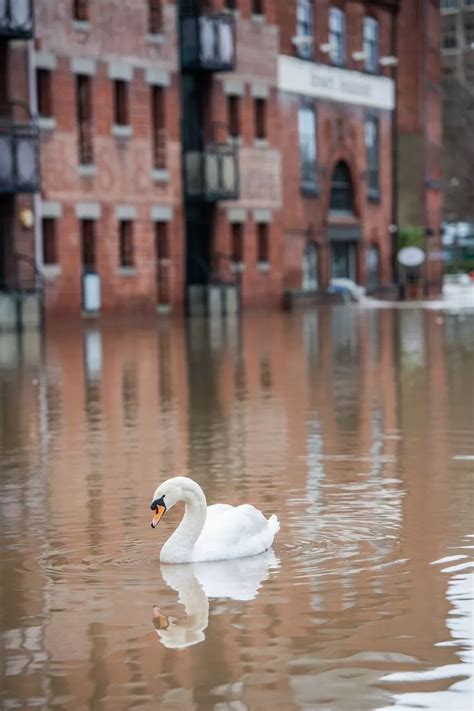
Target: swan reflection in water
195 583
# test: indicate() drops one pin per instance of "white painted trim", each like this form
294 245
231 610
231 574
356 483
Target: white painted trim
51 208
81 25
157 76
126 212
161 213
262 215
83 65
263 267
45 60
88 210
259 91
86 170
236 214
51 271
233 87
158 38
47 123
127 271
119 70
122 130
160 175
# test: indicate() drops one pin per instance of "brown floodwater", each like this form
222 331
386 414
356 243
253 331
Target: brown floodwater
355 427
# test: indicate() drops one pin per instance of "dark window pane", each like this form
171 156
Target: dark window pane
304 28
43 88
308 145
341 199
233 105
372 146
237 246
49 241
337 35
260 118
88 245
126 243
155 16
262 242
121 102
158 128
258 7
80 10
161 240
84 119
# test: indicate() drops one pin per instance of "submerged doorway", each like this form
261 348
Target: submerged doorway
344 260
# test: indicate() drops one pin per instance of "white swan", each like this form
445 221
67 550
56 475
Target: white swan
207 533
196 583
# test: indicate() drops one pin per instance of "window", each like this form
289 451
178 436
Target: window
260 118
337 35
126 243
237 243
371 44
262 242
84 119
80 10
304 28
233 109
155 16
88 245
161 240
158 126
258 7
308 146
43 88
373 267
230 4
341 199
469 36
450 41
49 241
121 103
372 146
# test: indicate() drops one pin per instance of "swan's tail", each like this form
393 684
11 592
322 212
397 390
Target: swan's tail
274 524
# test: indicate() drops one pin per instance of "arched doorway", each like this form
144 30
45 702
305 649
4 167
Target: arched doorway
343 226
310 280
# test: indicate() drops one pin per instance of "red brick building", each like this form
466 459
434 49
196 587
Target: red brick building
192 152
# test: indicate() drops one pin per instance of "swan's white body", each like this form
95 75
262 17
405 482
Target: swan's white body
208 533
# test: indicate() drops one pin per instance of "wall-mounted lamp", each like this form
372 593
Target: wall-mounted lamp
27 218
359 56
325 48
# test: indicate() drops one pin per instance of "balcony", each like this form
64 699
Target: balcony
19 154
212 174
16 19
208 42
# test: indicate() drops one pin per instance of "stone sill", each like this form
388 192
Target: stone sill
263 267
160 175
81 25
122 131
163 309
51 271
260 143
164 262
47 123
156 39
258 19
127 271
237 267
86 170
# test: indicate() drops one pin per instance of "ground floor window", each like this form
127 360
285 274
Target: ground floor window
373 267
343 260
88 245
310 267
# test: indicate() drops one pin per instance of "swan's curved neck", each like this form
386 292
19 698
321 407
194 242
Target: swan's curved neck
190 528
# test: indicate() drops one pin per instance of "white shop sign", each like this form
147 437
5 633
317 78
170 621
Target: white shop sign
297 76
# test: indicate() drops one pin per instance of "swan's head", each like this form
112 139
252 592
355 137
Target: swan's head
166 495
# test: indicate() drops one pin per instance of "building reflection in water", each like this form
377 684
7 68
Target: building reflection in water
345 423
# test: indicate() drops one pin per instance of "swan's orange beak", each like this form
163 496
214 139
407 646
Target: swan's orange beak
159 513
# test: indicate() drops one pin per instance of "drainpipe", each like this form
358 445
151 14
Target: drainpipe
394 231
33 106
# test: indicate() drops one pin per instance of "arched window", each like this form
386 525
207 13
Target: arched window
342 194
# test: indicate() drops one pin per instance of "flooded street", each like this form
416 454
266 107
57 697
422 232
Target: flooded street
355 427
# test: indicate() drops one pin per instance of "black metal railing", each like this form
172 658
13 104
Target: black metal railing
208 41
213 173
19 153
16 19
